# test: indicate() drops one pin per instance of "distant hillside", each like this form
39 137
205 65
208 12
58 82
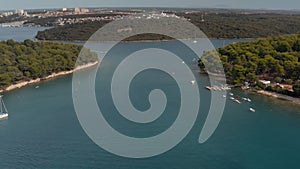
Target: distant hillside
232 25
223 25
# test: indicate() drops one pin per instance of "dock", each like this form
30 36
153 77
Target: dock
216 88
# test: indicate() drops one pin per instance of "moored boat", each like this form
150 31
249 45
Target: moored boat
3 110
247 99
237 101
2 116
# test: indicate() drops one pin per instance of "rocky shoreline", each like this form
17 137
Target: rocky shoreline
279 96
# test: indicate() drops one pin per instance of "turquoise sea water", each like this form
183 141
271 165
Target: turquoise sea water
43 130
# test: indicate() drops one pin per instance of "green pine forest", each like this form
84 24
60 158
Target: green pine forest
215 25
276 58
22 61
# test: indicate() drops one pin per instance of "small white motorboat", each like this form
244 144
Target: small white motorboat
231 94
193 82
237 101
246 99
252 110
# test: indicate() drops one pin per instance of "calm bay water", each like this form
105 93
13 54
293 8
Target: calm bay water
43 131
19 33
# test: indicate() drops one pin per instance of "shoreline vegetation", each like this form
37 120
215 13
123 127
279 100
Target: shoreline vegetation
268 65
236 76
28 62
50 77
140 41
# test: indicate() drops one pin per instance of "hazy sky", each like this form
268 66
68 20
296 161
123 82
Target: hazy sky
253 4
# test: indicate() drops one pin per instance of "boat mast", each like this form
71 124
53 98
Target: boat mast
2 107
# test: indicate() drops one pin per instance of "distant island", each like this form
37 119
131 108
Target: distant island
233 25
22 62
272 64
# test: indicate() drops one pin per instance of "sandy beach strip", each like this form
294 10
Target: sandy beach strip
25 83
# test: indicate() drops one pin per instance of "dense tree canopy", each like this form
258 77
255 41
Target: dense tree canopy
214 25
243 25
28 60
296 87
273 58
78 31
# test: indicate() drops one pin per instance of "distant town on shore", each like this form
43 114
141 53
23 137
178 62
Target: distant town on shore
215 23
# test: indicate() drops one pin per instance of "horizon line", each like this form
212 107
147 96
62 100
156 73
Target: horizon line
195 8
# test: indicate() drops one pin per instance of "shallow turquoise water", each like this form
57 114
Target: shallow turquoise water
43 131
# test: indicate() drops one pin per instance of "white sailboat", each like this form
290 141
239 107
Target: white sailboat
193 82
195 39
3 110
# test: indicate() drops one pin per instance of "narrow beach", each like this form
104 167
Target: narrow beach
53 75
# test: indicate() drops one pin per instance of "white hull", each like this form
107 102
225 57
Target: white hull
237 101
193 82
2 116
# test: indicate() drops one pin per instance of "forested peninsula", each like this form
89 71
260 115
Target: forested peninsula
28 60
215 25
275 59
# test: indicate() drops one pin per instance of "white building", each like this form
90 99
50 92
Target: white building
265 82
77 10
85 10
20 11
5 14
